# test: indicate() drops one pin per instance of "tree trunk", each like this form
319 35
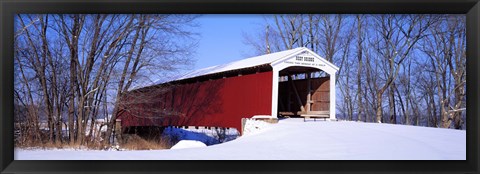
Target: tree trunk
359 68
73 47
391 101
379 107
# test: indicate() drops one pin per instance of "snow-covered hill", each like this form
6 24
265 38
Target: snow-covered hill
293 139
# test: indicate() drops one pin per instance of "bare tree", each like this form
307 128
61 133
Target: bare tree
446 50
397 36
97 47
172 54
387 58
360 39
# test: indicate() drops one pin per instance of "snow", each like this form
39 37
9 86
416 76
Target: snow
293 139
262 116
253 126
183 144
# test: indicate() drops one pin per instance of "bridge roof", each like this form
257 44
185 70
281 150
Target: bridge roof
256 61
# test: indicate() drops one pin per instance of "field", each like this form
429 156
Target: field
293 139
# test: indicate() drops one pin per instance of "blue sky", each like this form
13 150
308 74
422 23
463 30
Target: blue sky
222 38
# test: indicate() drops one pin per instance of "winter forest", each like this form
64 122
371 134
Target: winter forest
399 69
70 68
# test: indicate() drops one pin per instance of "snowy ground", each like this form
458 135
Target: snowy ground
293 139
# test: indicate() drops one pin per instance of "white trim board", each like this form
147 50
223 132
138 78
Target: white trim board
303 58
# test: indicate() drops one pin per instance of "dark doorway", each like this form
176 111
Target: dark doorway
303 91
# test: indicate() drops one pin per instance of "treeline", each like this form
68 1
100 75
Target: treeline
401 69
71 68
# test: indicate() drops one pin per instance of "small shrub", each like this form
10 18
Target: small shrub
135 142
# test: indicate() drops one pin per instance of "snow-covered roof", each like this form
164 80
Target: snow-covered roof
237 65
241 64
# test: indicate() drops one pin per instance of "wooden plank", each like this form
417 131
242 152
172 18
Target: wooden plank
289 97
314 117
298 96
318 116
314 113
287 113
309 95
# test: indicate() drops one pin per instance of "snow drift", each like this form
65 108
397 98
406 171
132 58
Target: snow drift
183 144
293 139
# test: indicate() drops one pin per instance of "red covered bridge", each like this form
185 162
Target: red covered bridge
294 82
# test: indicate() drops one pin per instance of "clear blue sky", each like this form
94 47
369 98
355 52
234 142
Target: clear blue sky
222 38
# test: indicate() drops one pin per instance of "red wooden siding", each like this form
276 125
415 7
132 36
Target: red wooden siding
213 103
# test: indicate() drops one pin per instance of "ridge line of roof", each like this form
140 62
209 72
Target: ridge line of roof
198 72
245 59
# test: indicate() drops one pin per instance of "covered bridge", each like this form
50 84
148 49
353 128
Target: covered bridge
295 82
